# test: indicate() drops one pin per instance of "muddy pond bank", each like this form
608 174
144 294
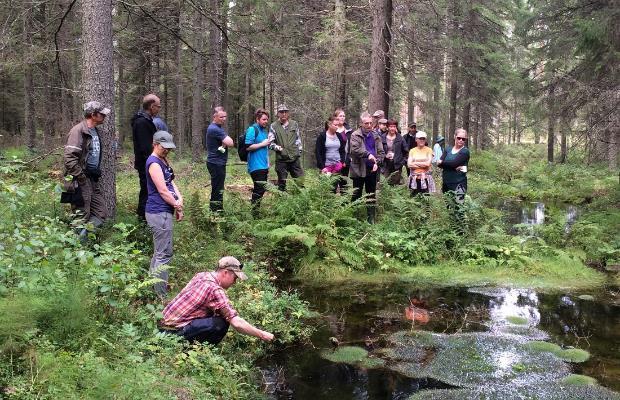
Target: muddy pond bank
368 319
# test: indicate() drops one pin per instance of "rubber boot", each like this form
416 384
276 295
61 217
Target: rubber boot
370 214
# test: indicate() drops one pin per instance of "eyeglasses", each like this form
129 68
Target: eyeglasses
461 138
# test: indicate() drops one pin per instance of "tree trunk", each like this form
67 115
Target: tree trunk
122 125
98 84
215 59
198 89
564 132
339 54
437 113
247 98
467 107
29 114
551 126
178 106
476 138
453 96
380 63
224 54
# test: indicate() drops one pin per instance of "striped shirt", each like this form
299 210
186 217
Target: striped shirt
202 297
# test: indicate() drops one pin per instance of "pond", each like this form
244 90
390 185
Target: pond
370 316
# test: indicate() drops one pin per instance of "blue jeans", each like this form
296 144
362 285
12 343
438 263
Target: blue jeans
212 330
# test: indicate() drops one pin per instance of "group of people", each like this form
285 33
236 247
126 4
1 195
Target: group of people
201 311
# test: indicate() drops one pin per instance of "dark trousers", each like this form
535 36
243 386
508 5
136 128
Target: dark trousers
457 190
419 190
259 177
283 168
370 182
143 195
212 330
218 176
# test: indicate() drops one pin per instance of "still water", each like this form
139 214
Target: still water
364 315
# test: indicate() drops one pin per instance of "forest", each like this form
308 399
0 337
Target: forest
518 298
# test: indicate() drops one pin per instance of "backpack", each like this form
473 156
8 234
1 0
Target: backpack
242 148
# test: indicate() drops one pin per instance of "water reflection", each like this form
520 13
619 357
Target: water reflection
514 303
362 314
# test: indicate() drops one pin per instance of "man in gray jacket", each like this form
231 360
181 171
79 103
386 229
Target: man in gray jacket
82 161
366 149
286 141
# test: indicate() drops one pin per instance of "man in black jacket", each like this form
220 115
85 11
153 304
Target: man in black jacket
143 130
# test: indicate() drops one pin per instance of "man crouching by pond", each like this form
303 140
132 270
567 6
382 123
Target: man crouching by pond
202 312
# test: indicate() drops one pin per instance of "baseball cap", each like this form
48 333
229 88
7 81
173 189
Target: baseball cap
232 264
95 106
440 139
382 121
420 134
282 107
165 139
378 114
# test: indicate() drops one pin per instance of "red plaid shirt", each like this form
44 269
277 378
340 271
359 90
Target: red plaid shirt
202 297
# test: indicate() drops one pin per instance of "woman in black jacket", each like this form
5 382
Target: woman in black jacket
396 153
330 155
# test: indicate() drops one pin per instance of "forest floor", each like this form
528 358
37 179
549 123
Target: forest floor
70 313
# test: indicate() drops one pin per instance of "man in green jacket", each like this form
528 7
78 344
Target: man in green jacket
286 142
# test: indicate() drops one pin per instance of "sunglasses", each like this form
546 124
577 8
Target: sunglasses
461 138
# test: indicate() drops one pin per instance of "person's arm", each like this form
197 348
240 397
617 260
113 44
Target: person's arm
144 137
157 176
72 153
242 326
179 206
228 142
405 151
250 137
320 152
298 141
461 158
380 150
410 162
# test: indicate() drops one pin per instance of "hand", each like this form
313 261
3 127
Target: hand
439 162
277 148
375 167
265 142
266 336
372 158
179 215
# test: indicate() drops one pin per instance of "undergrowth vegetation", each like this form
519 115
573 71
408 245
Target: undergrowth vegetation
79 321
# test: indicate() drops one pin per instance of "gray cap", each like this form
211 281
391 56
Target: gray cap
379 114
232 264
282 107
382 121
165 139
95 106
440 139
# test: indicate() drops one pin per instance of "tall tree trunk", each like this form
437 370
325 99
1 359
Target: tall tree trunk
215 59
380 63
437 113
453 96
339 54
29 114
178 107
551 125
477 127
410 88
198 89
467 107
224 54
98 84
564 132
122 125
247 98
